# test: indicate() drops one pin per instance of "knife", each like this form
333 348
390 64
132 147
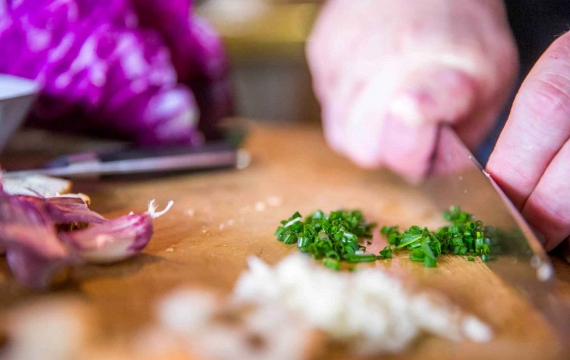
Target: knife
517 257
142 161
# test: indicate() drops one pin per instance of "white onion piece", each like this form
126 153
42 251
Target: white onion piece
370 309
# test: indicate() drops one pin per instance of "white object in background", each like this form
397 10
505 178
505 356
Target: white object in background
16 97
233 11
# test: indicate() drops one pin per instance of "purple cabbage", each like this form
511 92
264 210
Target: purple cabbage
198 55
117 68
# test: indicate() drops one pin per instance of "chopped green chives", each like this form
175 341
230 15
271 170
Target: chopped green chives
386 253
429 262
464 236
360 258
332 237
302 242
331 263
339 236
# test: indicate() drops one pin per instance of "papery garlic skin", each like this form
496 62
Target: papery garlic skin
40 257
36 271
34 253
114 240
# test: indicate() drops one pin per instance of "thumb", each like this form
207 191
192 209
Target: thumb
432 97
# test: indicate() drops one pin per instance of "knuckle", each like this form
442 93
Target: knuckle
544 214
550 87
550 98
551 208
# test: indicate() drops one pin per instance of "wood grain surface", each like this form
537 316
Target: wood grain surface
220 218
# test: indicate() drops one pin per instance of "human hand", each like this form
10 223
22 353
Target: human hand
387 72
531 161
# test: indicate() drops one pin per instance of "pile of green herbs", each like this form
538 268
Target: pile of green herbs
340 235
464 236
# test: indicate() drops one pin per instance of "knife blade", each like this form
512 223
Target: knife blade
457 179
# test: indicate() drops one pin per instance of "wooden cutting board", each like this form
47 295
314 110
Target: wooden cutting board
221 218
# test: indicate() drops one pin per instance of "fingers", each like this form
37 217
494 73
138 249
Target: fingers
548 207
364 117
477 124
538 126
389 121
531 160
335 112
333 38
386 73
445 95
408 149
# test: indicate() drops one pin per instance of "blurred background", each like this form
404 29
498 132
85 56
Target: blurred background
265 40
270 79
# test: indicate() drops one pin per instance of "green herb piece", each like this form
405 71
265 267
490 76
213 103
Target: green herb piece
392 234
331 263
386 253
360 258
429 262
333 237
464 236
338 236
